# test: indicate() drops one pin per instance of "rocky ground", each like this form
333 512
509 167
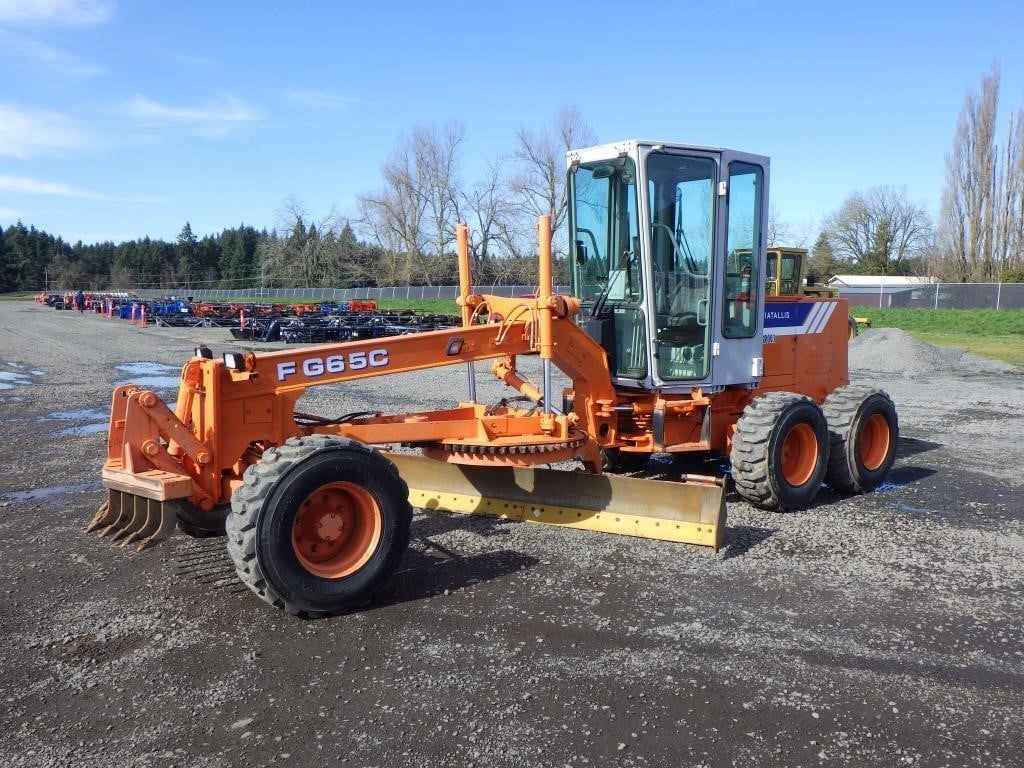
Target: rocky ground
875 630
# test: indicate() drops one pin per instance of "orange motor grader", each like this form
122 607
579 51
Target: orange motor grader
670 344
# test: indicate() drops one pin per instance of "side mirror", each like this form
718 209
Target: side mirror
581 253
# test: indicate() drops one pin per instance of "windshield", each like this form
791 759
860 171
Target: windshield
681 190
607 277
606 262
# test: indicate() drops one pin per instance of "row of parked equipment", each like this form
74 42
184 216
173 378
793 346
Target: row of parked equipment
291 323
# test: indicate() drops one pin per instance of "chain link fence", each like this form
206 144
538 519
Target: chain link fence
937 295
923 295
415 292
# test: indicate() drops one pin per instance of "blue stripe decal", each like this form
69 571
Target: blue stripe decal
785 315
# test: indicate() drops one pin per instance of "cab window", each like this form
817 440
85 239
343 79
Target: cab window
743 246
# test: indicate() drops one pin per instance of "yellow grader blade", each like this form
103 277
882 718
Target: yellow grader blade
690 512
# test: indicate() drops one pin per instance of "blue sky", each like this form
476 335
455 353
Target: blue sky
122 118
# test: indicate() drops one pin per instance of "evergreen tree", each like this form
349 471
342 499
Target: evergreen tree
823 263
189 256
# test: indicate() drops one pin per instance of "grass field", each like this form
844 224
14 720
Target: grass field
996 334
440 306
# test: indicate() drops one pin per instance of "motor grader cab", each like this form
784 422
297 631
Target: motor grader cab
665 263
670 345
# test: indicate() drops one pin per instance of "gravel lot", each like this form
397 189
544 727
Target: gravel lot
876 630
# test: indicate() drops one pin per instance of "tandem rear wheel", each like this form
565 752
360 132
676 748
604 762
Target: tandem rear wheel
864 432
319 525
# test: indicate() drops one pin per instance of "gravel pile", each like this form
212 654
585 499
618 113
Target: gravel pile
891 350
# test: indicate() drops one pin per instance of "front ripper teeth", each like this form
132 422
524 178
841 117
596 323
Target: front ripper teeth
132 519
104 516
137 520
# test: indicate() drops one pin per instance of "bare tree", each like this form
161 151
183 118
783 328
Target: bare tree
1016 198
879 231
416 209
1008 230
393 217
485 207
436 178
303 251
968 238
539 184
780 232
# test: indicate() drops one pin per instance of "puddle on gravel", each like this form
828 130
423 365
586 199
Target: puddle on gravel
913 510
12 379
85 414
145 369
154 382
151 375
86 429
99 421
53 490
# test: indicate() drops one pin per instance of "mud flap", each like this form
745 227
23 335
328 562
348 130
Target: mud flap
692 512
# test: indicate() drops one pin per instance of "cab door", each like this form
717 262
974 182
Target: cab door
739 289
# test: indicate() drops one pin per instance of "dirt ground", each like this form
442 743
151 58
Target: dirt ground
876 630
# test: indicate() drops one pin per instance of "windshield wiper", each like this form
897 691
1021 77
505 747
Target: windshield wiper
598 309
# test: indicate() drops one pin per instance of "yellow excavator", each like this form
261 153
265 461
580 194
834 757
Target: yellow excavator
785 276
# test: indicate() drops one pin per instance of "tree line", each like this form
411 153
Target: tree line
404 232
979 235
404 229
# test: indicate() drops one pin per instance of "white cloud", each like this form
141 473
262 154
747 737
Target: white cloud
71 12
25 132
213 118
29 186
55 59
319 99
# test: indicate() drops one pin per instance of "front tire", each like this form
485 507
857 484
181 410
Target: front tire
780 451
319 525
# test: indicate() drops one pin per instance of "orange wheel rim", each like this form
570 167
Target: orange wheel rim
799 454
873 442
337 529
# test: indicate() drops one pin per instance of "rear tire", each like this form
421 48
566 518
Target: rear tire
319 525
864 431
780 451
199 524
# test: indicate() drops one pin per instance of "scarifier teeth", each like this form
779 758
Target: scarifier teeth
103 517
133 519
136 521
160 522
122 515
